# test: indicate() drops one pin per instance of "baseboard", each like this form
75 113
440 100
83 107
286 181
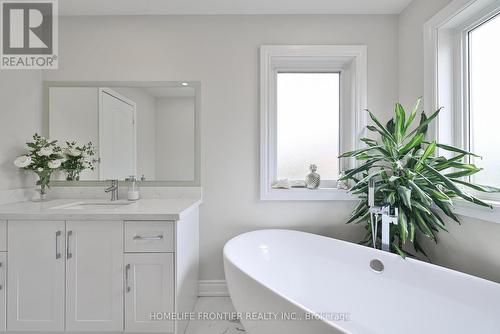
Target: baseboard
212 288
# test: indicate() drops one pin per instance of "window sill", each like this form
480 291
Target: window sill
466 209
303 194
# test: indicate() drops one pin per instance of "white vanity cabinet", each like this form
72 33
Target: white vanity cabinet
149 275
85 273
94 275
35 276
149 290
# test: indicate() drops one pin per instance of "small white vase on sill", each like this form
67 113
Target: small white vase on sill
313 179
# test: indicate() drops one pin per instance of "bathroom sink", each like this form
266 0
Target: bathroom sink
93 205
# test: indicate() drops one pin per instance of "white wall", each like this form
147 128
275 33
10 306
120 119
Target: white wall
175 138
20 117
472 247
411 47
222 52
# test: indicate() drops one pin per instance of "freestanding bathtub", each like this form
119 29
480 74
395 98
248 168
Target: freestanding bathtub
289 282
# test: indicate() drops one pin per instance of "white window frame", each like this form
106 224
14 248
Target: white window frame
446 75
348 60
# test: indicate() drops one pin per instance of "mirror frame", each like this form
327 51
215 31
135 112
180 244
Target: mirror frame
196 182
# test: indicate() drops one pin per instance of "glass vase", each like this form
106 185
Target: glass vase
42 185
41 194
73 175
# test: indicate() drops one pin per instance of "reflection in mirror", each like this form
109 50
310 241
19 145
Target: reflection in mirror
145 131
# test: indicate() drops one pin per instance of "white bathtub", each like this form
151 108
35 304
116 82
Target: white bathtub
280 275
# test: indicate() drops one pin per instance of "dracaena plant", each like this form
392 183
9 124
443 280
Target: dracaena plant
412 177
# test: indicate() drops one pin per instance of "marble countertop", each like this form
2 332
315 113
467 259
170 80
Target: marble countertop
57 209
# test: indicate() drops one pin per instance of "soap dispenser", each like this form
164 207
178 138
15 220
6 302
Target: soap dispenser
133 189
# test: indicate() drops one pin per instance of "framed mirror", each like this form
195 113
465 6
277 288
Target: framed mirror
149 130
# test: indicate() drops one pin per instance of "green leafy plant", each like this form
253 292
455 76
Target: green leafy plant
76 159
411 177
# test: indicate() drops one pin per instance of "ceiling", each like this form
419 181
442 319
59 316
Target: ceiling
211 7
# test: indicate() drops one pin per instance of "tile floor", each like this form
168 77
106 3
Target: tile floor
213 305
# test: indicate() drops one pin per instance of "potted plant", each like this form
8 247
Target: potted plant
412 177
76 159
43 158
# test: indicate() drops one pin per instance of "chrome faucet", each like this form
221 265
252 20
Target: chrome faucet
389 216
113 189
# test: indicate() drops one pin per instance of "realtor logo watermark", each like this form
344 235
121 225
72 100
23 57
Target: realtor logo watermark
28 34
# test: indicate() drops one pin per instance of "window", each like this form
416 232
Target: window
461 72
312 102
308 125
484 112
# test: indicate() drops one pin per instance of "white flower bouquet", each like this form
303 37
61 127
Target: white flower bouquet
43 158
76 159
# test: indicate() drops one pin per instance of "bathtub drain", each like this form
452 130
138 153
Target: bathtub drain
377 266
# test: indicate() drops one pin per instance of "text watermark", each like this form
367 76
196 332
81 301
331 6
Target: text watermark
249 316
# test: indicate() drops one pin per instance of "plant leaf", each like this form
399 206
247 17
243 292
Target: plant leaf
414 142
356 152
412 230
479 187
427 153
403 225
424 123
448 183
426 199
357 170
381 127
405 195
398 250
445 207
413 113
456 150
400 121
422 224
463 173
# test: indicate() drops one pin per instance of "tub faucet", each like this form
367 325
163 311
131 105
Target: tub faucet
113 189
389 216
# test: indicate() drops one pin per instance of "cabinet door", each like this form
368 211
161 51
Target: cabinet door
3 299
94 276
35 279
149 289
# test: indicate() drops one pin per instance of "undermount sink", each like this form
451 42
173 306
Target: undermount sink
93 205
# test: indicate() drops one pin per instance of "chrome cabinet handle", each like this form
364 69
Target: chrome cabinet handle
127 287
68 245
58 252
1 286
158 237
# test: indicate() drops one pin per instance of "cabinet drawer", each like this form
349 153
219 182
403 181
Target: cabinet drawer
3 236
144 236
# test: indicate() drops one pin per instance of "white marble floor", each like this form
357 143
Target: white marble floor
210 306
